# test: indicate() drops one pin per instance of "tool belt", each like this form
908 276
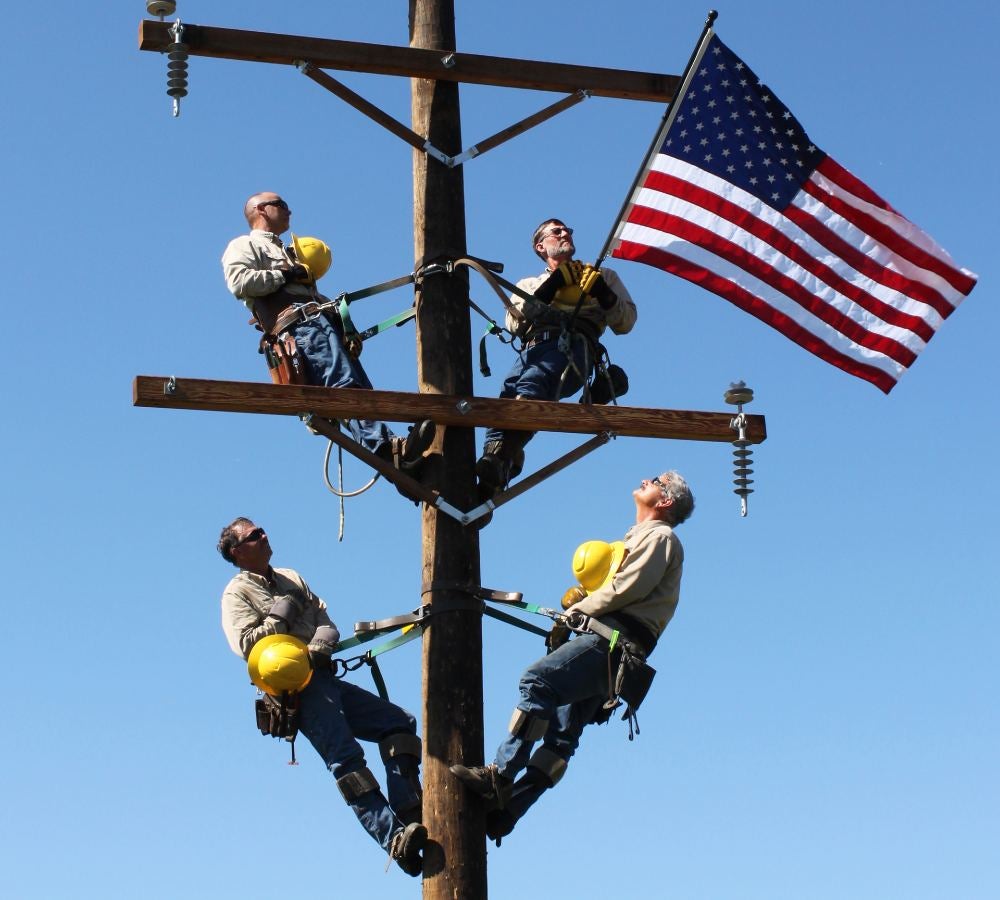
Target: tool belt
539 337
601 391
634 676
268 308
278 718
274 315
633 679
547 332
287 318
284 362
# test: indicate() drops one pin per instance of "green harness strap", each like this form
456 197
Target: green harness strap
398 641
345 300
385 325
513 620
410 633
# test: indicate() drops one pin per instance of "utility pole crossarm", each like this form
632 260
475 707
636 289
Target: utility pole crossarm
410 62
464 412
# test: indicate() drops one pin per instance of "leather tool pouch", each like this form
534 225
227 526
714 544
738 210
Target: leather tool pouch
633 680
601 391
279 719
284 362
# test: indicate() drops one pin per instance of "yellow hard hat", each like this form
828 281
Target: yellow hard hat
279 663
595 563
314 254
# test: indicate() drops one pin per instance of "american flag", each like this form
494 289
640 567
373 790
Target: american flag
738 200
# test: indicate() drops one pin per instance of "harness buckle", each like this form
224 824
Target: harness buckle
310 310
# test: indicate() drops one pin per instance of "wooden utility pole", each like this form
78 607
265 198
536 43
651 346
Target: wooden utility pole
455 862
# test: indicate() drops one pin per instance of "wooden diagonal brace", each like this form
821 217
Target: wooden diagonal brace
518 128
341 90
372 111
410 486
526 484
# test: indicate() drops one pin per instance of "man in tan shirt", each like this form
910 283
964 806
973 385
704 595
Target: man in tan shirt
566 690
333 713
261 272
571 306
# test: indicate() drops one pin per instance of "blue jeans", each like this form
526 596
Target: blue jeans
562 738
330 365
566 687
333 714
537 372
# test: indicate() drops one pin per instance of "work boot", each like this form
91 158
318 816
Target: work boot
499 823
407 454
406 848
491 471
421 436
501 461
486 781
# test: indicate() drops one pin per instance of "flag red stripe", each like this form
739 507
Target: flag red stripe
962 281
888 236
678 187
849 182
733 253
866 265
756 307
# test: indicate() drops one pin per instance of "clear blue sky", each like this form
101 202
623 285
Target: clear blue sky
824 722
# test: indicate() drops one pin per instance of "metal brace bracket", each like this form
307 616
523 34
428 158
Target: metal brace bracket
377 115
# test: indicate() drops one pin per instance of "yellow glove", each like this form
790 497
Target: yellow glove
588 277
593 283
561 278
574 595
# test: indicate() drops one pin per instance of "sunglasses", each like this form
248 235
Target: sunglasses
279 203
659 484
250 538
559 229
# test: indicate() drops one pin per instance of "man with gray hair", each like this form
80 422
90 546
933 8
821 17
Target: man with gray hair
617 626
561 326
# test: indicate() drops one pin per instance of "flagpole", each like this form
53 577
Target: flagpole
668 119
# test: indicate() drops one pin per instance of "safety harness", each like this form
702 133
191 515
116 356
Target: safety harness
278 346
629 684
608 381
287 366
